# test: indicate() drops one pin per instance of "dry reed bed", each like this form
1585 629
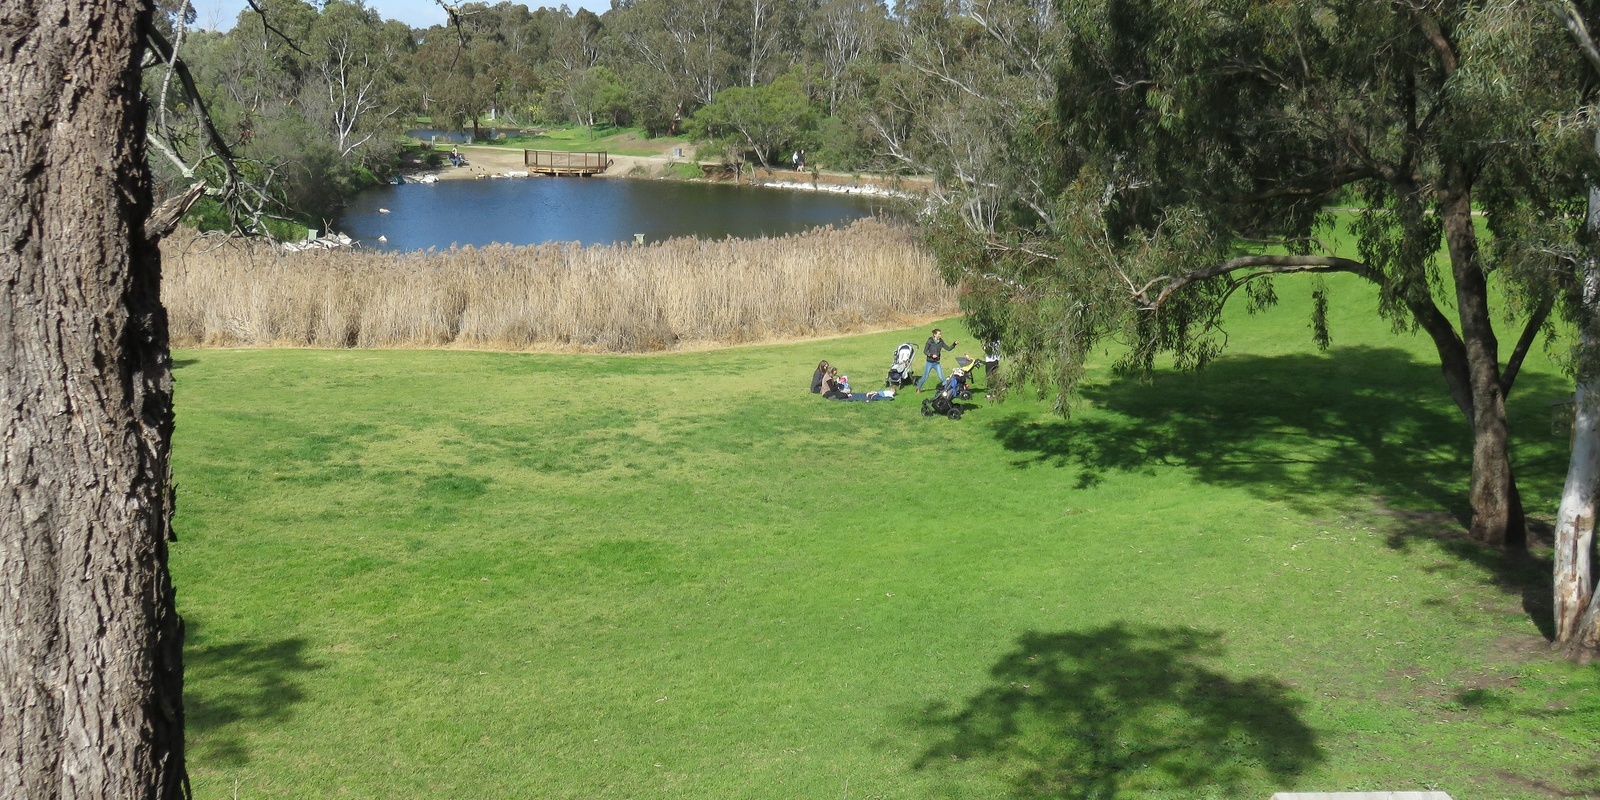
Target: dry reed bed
619 298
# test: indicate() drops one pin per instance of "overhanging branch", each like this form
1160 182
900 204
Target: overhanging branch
1259 266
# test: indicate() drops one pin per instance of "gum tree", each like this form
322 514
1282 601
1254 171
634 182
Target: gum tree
1197 149
90 643
1576 609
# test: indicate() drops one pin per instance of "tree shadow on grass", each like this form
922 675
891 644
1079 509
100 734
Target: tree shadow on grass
1319 433
234 689
1123 711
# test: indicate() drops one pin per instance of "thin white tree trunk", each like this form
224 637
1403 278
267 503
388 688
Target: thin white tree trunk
1575 519
1575 616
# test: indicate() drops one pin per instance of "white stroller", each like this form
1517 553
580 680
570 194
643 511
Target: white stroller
900 370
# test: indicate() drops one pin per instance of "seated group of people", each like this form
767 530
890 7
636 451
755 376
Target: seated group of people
827 382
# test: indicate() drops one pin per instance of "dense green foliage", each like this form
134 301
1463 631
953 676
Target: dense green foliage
310 107
454 573
315 94
1195 153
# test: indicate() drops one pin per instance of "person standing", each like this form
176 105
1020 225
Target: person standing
991 367
931 350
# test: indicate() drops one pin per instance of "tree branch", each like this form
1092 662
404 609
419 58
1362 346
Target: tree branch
1264 265
267 27
166 216
1569 16
1530 331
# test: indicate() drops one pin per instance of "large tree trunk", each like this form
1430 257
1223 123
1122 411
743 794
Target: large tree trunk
90 642
1497 517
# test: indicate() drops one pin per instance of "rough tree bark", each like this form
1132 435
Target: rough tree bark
90 642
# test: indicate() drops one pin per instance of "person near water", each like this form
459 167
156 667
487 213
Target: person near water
931 351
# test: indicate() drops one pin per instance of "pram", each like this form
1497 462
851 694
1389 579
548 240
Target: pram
900 370
956 387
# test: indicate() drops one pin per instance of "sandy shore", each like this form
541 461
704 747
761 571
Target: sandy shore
506 162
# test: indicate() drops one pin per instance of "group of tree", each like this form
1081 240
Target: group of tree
315 97
1196 152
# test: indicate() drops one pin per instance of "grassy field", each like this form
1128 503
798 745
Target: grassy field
457 574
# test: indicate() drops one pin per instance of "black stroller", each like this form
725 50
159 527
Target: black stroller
900 370
956 387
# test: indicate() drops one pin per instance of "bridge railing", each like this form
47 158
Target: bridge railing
561 160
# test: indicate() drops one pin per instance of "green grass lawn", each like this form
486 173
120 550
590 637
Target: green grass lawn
617 140
459 574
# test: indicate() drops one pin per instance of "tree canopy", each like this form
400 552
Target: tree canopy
1199 151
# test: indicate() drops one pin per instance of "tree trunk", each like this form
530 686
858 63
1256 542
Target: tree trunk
90 642
1497 517
1575 518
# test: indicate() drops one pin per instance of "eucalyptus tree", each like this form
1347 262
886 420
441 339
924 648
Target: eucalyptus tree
1576 606
1188 137
575 39
967 86
768 39
681 47
840 33
354 82
91 663
765 120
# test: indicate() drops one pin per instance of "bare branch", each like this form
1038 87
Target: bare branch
267 27
165 218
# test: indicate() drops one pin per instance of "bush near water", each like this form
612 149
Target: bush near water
618 298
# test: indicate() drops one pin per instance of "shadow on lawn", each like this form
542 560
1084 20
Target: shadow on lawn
1120 710
1316 432
236 688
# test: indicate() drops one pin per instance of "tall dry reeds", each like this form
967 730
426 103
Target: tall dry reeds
619 298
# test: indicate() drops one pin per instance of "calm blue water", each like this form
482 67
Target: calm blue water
587 210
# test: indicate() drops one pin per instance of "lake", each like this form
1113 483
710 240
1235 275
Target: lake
586 210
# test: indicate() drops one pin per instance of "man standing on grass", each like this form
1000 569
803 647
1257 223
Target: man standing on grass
991 367
931 350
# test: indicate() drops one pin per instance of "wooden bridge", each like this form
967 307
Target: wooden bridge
560 162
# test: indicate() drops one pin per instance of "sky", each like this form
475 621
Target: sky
221 14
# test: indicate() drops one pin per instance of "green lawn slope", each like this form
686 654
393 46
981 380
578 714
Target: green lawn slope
460 574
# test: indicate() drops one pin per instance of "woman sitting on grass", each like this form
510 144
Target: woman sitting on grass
819 377
837 387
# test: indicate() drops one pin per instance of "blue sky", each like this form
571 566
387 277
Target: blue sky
220 14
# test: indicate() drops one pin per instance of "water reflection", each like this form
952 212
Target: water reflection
586 210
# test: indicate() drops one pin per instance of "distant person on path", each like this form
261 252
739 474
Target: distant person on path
931 350
795 160
991 367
